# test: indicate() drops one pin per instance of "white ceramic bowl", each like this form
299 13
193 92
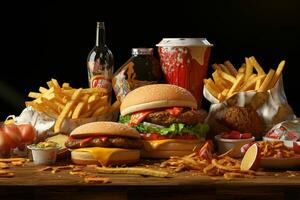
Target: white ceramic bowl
43 156
225 145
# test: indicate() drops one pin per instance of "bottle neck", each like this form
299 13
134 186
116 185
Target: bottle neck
100 34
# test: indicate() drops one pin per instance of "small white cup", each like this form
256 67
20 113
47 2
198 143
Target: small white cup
43 156
225 145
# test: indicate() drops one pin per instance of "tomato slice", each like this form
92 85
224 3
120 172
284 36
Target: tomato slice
175 111
138 117
82 142
156 136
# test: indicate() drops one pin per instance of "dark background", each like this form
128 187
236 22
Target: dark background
44 40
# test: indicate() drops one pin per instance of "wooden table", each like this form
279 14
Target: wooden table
29 183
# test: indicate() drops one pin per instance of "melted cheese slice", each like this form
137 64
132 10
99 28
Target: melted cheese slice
171 144
102 155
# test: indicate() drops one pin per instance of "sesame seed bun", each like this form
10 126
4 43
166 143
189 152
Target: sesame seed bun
157 96
104 128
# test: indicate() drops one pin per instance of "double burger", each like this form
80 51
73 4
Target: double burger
104 143
167 119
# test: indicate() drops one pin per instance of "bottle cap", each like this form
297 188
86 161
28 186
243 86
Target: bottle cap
100 25
142 51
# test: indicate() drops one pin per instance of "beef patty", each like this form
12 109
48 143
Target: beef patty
118 142
187 117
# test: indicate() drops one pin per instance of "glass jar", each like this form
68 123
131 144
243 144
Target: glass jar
141 69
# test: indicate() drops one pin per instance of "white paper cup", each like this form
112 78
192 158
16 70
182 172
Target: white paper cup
43 156
225 145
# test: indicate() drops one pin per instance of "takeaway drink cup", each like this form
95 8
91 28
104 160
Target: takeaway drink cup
184 62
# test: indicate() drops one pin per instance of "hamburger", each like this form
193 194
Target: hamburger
104 143
166 117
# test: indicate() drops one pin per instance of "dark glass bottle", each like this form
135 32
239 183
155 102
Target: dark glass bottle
100 62
141 69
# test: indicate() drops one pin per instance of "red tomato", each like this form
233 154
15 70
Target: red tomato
175 111
5 141
225 135
246 135
156 136
13 132
28 133
235 135
138 117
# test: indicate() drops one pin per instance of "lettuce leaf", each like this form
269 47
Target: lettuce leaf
124 119
198 130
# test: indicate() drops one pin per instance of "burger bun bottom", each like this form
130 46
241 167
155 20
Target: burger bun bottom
173 147
129 157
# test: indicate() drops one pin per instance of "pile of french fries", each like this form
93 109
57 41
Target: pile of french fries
275 149
222 165
227 80
64 102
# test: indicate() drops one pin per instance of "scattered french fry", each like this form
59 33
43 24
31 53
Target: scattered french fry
133 170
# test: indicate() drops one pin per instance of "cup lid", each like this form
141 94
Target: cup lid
183 42
142 51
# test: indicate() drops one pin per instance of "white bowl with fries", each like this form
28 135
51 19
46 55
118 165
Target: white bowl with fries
225 145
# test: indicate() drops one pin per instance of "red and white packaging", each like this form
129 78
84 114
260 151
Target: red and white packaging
184 62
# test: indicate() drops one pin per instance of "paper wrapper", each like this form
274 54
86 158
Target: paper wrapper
271 105
44 124
286 130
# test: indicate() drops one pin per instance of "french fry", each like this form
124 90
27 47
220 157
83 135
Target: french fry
66 110
251 82
96 179
115 106
55 85
66 86
249 69
77 111
216 67
66 102
235 85
133 170
230 68
265 85
34 95
257 67
43 90
211 88
50 84
277 74
220 83
225 69
226 76
99 111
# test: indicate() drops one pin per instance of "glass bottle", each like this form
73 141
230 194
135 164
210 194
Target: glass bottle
141 69
100 62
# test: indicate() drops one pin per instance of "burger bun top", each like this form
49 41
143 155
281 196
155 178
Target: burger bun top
157 96
104 128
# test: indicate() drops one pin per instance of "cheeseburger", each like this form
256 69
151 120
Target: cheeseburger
105 143
166 117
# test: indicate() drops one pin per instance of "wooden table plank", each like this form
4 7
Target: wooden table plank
33 184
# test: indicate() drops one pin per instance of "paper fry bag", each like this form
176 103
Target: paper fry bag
271 106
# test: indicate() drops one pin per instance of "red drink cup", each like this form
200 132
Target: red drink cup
184 62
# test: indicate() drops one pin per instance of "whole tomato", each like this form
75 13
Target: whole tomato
28 133
13 132
5 144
